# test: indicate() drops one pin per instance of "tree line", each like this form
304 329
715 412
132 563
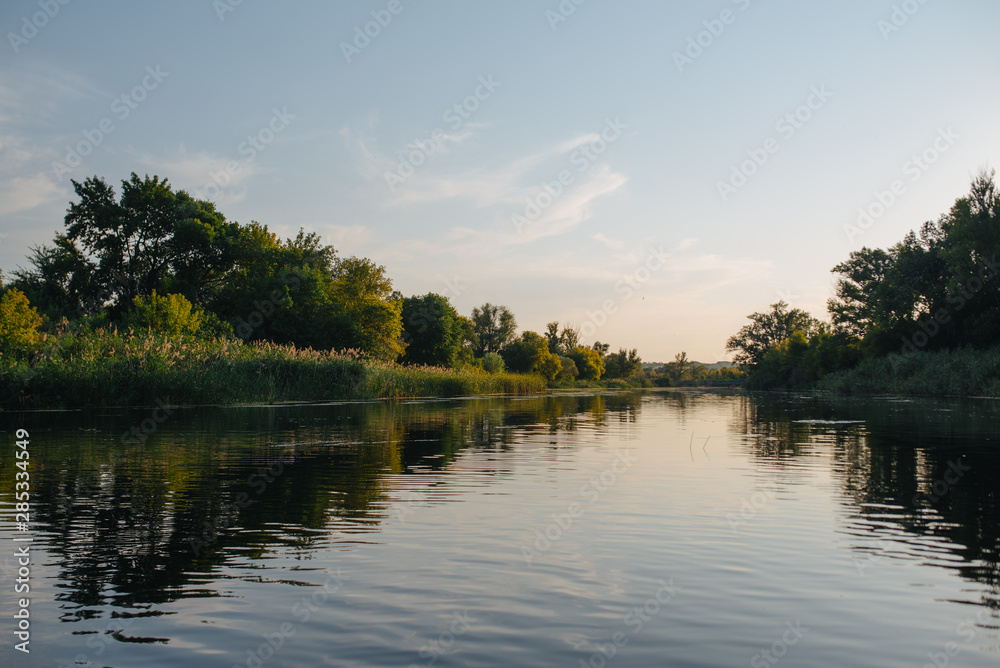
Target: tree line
936 289
152 257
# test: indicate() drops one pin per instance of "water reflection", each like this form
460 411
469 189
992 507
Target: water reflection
133 525
222 493
920 478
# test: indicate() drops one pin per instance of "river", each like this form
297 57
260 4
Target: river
653 528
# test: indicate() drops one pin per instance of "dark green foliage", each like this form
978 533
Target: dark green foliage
494 327
766 330
85 367
530 354
433 331
623 364
937 289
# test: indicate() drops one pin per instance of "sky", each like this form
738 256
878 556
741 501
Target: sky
648 172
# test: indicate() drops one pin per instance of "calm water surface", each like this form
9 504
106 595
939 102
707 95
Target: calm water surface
632 529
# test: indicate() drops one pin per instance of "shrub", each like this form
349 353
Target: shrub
19 323
167 314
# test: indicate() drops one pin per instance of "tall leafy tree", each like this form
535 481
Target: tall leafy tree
494 327
116 248
530 354
766 330
588 362
432 330
622 364
363 293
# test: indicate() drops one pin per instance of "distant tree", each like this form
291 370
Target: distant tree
552 336
569 340
623 364
766 330
601 348
588 362
494 328
432 330
530 354
567 369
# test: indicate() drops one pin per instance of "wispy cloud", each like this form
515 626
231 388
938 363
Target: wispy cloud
21 193
616 244
197 172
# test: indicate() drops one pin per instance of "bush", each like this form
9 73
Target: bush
19 323
168 314
493 363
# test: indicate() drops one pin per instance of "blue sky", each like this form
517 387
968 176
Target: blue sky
562 159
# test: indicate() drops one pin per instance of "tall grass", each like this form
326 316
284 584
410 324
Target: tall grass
111 368
964 371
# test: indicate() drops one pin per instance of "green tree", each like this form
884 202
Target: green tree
623 364
567 369
971 251
766 330
149 238
588 363
552 337
169 314
494 328
432 330
530 354
363 294
857 307
569 340
19 323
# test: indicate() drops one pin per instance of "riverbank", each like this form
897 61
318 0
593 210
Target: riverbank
109 368
959 372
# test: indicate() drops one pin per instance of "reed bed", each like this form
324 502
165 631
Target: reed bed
959 372
112 368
